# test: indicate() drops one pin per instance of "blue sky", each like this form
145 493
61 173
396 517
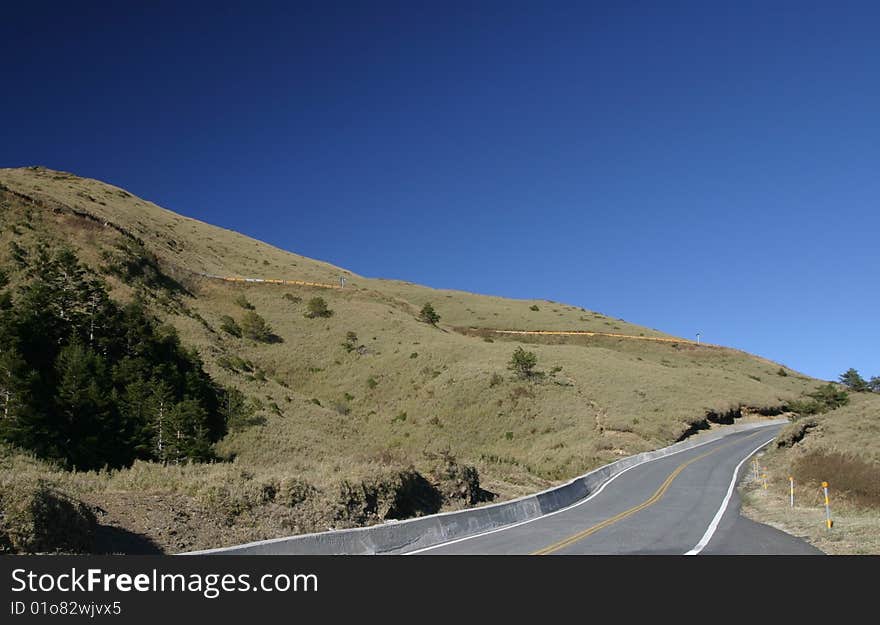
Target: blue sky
693 167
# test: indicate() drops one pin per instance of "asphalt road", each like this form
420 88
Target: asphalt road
665 506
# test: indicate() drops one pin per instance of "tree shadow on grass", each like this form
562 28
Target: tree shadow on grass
116 540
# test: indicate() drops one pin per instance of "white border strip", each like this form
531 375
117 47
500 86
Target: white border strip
713 526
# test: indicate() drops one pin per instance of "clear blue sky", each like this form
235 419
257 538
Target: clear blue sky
701 166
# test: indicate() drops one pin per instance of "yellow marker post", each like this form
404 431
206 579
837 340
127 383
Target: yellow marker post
791 490
828 521
764 478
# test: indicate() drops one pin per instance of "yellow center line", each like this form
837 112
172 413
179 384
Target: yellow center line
645 504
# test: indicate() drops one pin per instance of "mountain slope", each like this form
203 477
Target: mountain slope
354 430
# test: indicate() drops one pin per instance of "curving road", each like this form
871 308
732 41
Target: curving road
682 503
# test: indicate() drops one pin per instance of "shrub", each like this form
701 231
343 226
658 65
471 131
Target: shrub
429 315
854 476
495 380
294 491
351 342
392 494
534 307
254 327
519 392
371 382
782 372
236 497
824 398
290 297
242 364
228 325
317 308
523 363
242 301
830 397
458 483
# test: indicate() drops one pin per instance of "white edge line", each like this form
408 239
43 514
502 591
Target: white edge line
577 503
713 526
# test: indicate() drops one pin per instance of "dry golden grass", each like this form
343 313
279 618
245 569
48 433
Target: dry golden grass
410 391
842 447
856 531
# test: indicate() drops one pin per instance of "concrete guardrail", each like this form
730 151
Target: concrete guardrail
397 537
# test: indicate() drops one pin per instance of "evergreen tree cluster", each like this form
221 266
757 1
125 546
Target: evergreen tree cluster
825 398
92 383
853 380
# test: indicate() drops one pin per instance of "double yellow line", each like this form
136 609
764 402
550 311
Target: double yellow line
562 544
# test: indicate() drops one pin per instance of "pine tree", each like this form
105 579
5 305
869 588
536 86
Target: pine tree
853 381
136 407
81 410
523 363
162 402
236 410
429 315
15 387
187 429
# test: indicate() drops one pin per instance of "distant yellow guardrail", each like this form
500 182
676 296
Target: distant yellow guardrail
322 285
588 333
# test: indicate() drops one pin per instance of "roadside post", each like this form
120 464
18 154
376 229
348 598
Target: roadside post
764 480
828 521
791 490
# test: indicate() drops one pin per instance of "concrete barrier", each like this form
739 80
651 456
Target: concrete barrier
399 537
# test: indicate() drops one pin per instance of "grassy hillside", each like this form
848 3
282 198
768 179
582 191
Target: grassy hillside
404 418
841 447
